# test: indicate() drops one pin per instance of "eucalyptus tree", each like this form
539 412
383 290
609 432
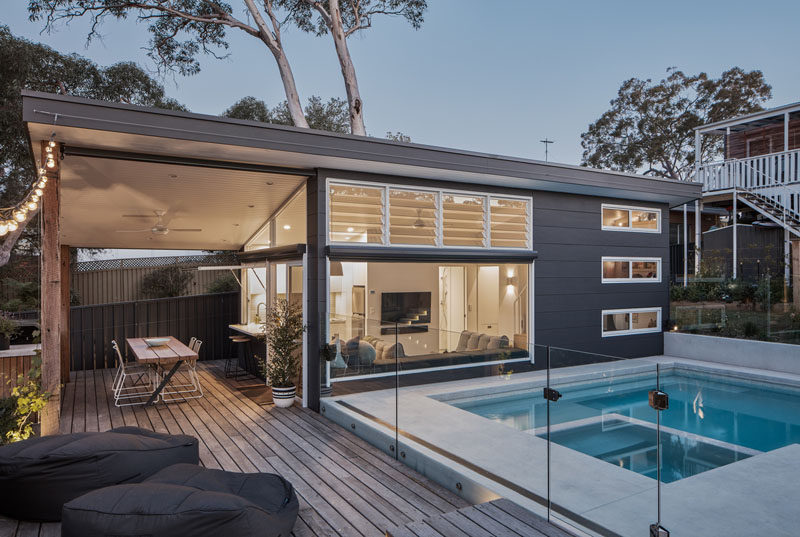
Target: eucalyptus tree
182 30
650 125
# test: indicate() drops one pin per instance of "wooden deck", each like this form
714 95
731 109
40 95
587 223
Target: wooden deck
345 486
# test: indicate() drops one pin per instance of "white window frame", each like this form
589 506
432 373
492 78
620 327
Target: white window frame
630 331
629 228
439 192
631 261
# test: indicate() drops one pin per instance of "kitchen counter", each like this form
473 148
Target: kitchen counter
251 329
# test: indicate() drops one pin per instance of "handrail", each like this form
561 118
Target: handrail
774 169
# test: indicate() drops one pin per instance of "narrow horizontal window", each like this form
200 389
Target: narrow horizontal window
638 219
631 269
632 321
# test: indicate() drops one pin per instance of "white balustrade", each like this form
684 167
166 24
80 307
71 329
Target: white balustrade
753 173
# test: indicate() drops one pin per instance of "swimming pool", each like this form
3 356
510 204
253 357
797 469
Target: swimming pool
711 421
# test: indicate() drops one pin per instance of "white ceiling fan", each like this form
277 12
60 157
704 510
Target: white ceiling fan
159 228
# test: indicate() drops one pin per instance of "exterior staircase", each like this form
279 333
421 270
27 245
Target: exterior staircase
771 208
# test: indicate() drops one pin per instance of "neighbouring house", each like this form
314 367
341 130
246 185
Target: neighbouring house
446 258
751 199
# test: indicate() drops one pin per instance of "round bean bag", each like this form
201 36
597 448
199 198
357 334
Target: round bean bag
39 475
186 500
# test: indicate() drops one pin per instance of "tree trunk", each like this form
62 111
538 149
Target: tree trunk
348 71
273 43
11 239
289 87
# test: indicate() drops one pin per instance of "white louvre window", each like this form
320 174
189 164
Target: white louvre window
412 217
463 220
509 223
388 215
631 321
631 269
638 219
356 214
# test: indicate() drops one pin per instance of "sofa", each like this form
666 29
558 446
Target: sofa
39 475
370 354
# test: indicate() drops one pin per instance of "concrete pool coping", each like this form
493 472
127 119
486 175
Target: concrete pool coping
480 459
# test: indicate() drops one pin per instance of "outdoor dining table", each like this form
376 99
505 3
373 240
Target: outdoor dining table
173 352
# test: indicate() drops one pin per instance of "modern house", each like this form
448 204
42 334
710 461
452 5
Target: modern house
757 186
396 244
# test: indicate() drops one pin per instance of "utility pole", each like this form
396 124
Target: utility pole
546 143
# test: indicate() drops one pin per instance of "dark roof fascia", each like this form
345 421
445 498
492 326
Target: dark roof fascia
428 255
291 252
44 108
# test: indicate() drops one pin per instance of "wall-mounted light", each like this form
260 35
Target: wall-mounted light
287 227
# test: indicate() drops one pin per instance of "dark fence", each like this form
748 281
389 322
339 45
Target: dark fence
205 317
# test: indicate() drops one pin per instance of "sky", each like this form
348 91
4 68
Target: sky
490 76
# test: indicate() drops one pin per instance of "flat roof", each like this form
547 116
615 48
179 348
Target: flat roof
86 123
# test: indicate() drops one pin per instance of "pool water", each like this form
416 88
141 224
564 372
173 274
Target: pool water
710 422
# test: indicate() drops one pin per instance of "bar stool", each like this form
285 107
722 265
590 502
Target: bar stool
235 366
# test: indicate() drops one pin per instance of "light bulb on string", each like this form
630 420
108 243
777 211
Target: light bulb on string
49 149
34 197
42 171
51 163
38 192
3 228
19 215
51 143
32 205
12 225
41 184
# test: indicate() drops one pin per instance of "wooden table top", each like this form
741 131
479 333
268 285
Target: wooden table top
170 352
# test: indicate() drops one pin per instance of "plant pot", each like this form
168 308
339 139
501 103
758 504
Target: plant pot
5 342
283 397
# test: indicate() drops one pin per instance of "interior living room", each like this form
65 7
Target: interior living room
426 315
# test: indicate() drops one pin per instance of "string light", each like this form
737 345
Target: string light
11 217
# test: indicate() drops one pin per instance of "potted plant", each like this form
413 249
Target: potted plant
284 329
8 328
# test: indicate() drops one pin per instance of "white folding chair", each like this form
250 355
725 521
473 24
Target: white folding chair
174 392
133 383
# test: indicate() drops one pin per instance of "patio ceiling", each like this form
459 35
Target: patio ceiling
228 205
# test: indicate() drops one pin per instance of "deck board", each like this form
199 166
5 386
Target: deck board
345 486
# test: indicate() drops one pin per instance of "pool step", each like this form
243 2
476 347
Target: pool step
498 518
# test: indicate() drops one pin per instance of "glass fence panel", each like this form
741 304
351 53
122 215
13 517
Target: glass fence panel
360 379
763 308
601 438
462 413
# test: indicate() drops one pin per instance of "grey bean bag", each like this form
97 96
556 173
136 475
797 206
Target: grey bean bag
39 475
186 500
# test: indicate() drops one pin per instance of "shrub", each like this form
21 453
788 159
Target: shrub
224 284
26 402
166 282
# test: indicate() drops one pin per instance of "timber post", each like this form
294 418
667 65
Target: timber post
51 303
